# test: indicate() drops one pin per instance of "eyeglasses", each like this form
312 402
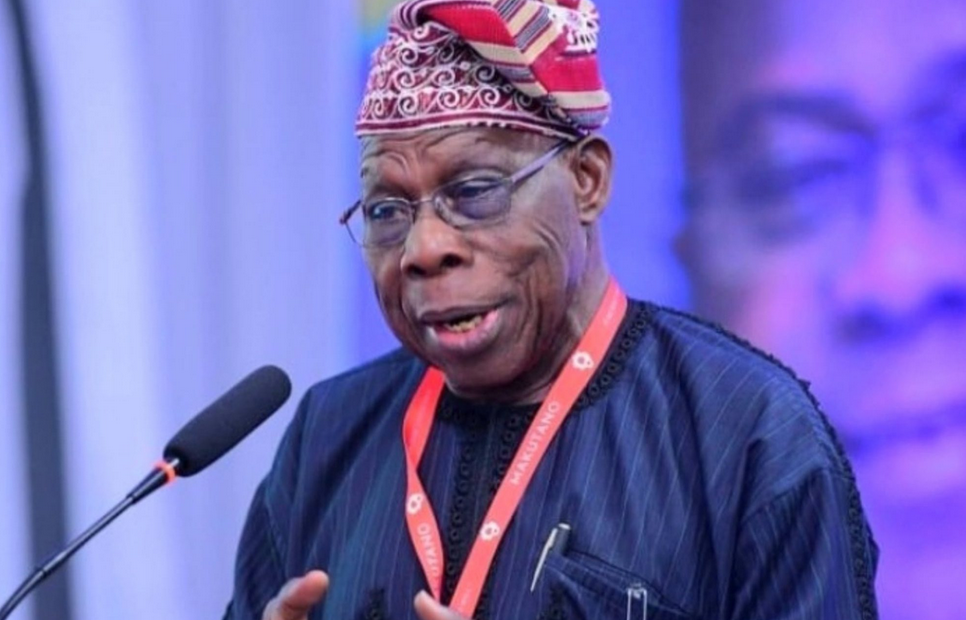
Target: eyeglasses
465 203
801 182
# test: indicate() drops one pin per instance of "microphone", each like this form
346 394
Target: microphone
201 442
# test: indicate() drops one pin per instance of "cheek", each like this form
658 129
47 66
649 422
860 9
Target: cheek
536 266
546 244
563 257
776 299
769 296
781 309
387 281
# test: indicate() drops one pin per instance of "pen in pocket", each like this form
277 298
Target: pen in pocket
636 598
556 543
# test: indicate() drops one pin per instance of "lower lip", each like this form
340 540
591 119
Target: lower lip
883 431
907 463
916 470
470 341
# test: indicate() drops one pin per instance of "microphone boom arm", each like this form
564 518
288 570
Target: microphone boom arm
199 443
151 483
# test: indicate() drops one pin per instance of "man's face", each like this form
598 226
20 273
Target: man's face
484 304
831 225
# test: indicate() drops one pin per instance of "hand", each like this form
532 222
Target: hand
428 609
297 597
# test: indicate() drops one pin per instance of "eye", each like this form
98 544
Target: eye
947 127
478 199
957 141
791 201
384 211
472 189
771 185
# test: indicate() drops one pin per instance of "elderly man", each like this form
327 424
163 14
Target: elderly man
829 143
542 447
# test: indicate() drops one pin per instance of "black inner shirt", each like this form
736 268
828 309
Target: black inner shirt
488 436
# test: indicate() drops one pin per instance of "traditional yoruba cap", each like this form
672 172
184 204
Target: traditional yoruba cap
524 64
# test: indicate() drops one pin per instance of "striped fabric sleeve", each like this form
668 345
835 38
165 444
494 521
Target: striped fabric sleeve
807 553
259 564
258 568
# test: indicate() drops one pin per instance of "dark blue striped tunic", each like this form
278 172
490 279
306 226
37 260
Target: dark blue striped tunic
693 468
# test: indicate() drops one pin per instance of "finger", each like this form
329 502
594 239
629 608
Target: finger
297 597
427 608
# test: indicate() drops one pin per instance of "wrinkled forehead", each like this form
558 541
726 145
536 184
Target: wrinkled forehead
876 54
441 151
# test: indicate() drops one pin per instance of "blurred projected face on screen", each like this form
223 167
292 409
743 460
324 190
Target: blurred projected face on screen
826 141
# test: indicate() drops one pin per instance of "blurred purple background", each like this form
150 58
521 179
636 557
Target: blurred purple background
190 161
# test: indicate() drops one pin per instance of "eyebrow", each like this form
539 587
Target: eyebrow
461 159
833 111
953 65
467 159
380 149
944 80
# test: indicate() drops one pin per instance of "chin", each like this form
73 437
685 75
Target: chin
913 476
479 379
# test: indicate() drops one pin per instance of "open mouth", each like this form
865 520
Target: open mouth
464 331
463 324
923 427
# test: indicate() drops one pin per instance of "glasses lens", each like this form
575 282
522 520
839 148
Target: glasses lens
381 223
943 165
478 200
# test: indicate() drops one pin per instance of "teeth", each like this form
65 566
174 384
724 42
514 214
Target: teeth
464 325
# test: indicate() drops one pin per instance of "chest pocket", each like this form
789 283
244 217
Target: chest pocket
578 586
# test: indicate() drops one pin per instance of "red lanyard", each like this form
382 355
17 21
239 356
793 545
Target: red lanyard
423 528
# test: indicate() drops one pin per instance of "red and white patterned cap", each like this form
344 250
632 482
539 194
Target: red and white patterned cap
523 64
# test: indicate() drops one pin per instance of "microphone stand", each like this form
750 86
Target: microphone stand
154 481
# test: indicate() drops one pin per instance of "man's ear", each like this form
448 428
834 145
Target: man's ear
592 163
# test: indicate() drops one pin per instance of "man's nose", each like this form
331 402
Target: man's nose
433 247
909 261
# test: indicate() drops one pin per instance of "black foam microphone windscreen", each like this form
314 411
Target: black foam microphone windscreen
228 420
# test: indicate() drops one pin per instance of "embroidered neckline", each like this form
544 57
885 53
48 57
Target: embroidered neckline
501 429
633 328
490 436
467 413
